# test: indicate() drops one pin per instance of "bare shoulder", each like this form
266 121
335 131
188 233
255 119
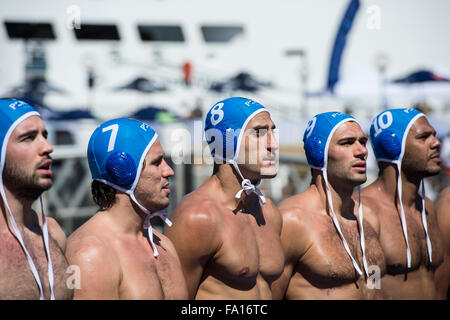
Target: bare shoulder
443 211
91 252
99 266
443 202
56 232
88 243
372 200
297 213
195 218
430 206
370 216
295 208
273 214
197 212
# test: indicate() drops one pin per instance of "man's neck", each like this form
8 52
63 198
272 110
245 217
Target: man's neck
230 183
341 196
387 181
126 216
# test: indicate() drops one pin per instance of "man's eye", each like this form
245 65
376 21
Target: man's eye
261 132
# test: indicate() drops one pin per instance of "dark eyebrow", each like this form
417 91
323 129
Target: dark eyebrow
158 159
364 138
347 139
353 139
266 127
426 133
32 132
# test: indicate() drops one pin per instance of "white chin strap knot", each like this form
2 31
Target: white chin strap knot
249 188
147 224
148 227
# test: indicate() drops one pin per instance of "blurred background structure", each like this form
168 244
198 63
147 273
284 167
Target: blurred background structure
168 61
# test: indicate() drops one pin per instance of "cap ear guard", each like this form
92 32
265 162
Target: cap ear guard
121 167
314 151
390 144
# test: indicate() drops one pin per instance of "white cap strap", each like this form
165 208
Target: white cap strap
47 251
33 268
148 225
402 213
338 227
361 227
424 222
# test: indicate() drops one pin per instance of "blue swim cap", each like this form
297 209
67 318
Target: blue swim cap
388 133
317 136
116 151
225 125
12 113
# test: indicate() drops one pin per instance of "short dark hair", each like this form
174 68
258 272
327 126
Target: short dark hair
103 195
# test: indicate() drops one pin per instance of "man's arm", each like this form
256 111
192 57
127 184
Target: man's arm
295 244
442 274
99 269
195 233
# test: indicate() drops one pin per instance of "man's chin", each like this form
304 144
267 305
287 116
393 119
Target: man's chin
45 185
432 172
268 176
162 205
269 172
358 180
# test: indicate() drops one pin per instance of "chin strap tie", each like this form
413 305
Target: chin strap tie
249 188
148 225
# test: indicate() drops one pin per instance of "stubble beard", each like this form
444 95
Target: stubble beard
24 186
346 177
422 169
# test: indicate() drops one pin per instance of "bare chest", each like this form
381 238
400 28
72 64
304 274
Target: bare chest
249 250
394 244
327 263
147 277
17 280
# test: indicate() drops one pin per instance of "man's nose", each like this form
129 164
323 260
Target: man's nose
168 171
272 140
436 143
47 147
361 151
